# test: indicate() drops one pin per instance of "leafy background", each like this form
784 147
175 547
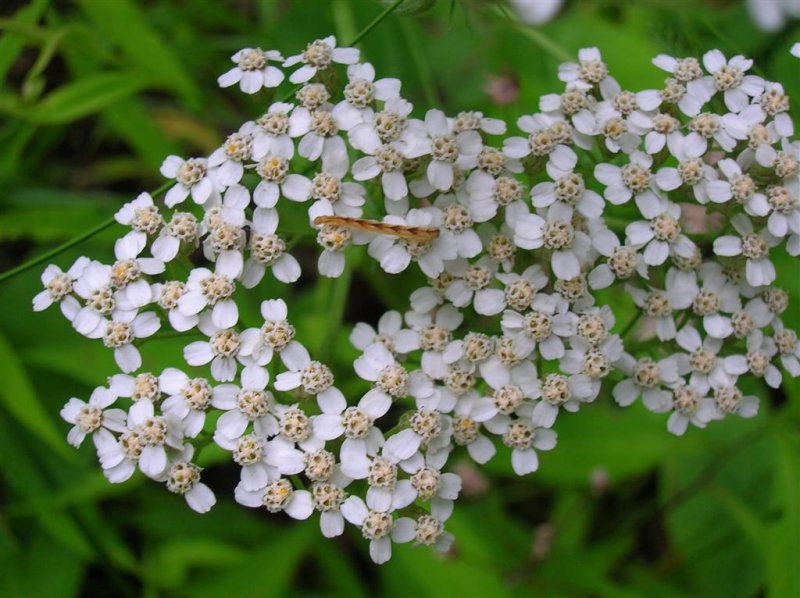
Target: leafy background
96 92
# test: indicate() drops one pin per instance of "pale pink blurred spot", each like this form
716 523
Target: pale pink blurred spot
599 480
473 482
697 220
502 89
543 536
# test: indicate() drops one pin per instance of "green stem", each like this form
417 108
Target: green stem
629 326
71 243
336 307
58 250
375 22
537 37
421 63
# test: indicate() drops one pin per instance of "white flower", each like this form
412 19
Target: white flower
428 483
569 247
559 391
661 233
470 412
278 495
221 350
124 328
360 93
433 332
268 249
319 132
524 439
395 254
317 56
518 292
275 335
543 327
390 332
726 130
570 190
622 183
754 246
662 304
276 182
575 106
761 350
660 130
252 70
335 196
784 203
270 132
312 377
250 404
593 361
133 291
536 12
192 177
547 136
788 347
731 400
93 418
228 161
428 429
58 288
156 434
181 229
183 477
448 149
693 172
689 406
362 438
188 399
141 215
728 76
590 72
744 189
333 239
376 525
646 378
709 370
205 288
622 261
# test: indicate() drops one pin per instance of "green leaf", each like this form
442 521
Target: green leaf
126 25
782 542
23 573
131 121
169 564
22 401
11 44
86 96
23 475
269 568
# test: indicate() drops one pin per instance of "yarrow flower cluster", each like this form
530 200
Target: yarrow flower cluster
559 264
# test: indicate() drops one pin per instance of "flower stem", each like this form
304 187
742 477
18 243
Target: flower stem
71 243
629 326
375 22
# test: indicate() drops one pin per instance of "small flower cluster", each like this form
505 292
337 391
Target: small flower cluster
667 203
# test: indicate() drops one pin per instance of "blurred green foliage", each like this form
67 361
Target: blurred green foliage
96 92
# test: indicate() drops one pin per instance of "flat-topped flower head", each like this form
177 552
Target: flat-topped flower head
668 205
